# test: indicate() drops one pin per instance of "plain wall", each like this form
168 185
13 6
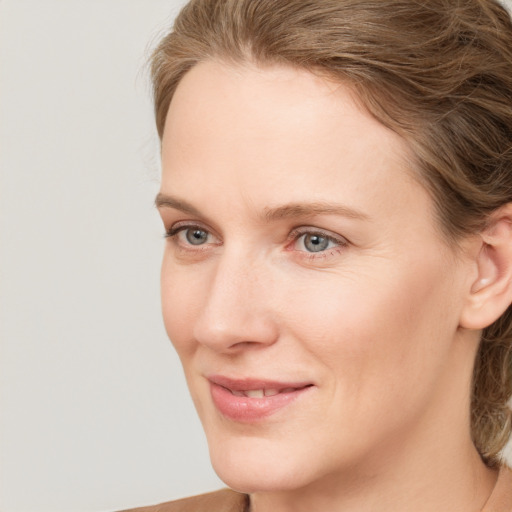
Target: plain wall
95 415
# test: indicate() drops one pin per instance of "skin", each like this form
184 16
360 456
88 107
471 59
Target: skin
373 321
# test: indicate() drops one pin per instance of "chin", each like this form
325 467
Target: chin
249 465
248 476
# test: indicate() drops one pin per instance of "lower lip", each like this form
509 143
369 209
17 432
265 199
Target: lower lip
248 410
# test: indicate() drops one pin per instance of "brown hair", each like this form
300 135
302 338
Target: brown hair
437 72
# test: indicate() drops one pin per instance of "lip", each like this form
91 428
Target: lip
246 409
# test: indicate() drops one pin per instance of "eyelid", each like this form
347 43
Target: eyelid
341 244
296 233
180 226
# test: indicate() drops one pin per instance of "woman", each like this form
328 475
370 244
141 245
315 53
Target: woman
337 196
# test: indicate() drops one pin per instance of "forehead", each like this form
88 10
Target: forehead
264 132
268 102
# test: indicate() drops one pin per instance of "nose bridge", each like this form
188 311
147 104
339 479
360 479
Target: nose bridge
237 308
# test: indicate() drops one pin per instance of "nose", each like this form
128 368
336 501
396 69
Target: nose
237 312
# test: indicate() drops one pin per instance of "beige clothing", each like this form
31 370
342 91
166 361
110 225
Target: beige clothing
225 500
231 501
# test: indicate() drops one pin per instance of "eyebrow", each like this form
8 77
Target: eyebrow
311 209
165 201
286 211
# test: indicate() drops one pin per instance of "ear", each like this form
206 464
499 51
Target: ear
491 291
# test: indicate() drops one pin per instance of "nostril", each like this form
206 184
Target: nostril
246 344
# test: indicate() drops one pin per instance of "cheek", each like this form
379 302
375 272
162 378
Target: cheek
369 329
182 297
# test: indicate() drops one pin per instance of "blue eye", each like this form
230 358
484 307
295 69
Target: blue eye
191 236
196 236
315 242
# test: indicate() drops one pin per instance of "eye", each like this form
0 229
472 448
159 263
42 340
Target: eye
187 235
316 242
195 236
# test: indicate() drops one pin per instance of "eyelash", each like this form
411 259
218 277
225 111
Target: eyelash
292 239
298 233
175 230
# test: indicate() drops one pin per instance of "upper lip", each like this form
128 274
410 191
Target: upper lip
249 384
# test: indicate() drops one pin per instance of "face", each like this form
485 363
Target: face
305 285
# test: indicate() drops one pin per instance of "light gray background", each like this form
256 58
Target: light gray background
95 415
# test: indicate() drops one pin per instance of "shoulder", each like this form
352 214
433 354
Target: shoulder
224 500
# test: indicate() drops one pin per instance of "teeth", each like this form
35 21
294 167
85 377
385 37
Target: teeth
255 393
260 393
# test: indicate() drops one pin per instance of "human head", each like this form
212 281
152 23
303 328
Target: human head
439 74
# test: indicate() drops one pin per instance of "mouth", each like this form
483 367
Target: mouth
252 400
260 393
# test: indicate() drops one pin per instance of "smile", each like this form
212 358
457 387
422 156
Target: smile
260 393
249 400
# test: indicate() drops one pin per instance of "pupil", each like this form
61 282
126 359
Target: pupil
316 243
196 236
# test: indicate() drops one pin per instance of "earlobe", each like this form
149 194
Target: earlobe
491 291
